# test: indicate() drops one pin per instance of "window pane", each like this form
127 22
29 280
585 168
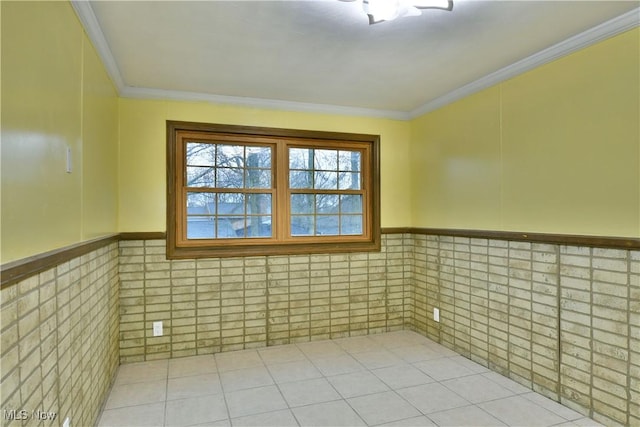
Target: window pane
349 181
259 226
326 180
200 176
229 178
326 160
300 158
201 203
200 220
351 204
327 225
200 154
300 179
302 203
201 227
351 224
226 230
258 178
230 204
349 161
259 204
258 157
302 225
327 203
230 156
231 215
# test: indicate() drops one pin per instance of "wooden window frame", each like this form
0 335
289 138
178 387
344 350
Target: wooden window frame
282 243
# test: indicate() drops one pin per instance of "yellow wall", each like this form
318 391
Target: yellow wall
555 150
143 153
55 94
99 149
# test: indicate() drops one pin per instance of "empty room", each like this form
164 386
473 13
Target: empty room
320 213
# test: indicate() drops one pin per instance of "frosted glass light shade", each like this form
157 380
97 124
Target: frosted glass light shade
387 10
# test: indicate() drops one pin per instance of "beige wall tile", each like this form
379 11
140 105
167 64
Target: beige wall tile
63 317
559 319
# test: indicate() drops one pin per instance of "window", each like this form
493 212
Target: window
237 190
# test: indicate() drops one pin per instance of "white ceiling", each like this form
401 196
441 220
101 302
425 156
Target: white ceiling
323 55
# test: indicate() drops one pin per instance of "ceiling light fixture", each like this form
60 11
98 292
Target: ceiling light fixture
387 10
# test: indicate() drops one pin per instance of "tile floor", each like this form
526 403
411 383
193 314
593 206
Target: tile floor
392 379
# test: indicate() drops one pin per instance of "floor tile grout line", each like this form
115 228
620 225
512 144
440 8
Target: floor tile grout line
166 395
166 391
278 387
391 390
137 405
381 345
224 394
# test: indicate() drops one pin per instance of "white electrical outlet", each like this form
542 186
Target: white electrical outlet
67 422
157 329
436 314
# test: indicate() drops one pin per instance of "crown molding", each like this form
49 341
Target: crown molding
591 36
262 103
92 27
596 34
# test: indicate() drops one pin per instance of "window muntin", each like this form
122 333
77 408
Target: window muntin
246 191
228 190
326 192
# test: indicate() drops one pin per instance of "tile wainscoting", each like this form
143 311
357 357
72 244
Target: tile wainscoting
563 320
59 349
222 304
